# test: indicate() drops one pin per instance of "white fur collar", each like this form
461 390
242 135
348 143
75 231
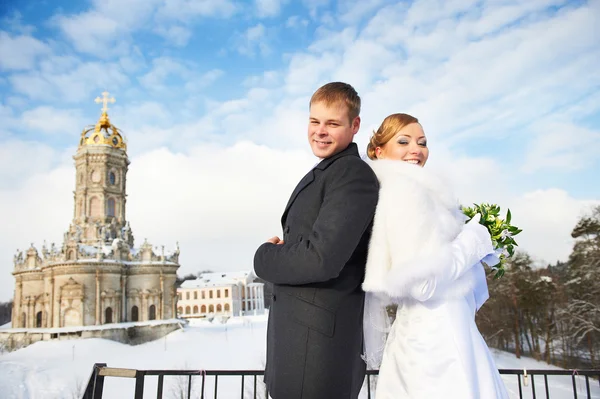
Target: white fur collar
390 172
416 220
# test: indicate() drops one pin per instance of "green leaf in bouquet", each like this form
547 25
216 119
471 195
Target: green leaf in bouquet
508 216
499 273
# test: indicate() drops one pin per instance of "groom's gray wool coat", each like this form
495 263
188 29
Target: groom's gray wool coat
314 336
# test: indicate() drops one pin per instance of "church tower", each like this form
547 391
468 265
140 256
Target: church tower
101 165
96 276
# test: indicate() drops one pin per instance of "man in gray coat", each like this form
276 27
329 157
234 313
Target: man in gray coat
314 336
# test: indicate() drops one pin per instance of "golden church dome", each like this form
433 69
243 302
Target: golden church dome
103 132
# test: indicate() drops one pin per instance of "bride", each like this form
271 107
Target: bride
424 258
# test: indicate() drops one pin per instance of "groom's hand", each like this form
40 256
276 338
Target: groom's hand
275 240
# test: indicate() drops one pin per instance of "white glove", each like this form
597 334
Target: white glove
469 247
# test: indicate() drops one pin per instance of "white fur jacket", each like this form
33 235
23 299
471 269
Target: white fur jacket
421 247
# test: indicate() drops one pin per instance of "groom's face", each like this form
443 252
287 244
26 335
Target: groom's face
330 129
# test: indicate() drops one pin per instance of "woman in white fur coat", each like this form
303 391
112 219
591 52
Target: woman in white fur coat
423 257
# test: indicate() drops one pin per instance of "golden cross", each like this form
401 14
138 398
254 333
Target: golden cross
104 100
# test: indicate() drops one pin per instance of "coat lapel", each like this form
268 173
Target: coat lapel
310 176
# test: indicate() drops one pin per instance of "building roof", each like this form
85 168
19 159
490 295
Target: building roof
217 279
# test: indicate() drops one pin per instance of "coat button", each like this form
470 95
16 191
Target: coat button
287 229
274 298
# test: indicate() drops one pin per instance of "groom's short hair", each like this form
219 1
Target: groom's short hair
338 92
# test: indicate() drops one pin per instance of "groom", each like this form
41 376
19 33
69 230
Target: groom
314 337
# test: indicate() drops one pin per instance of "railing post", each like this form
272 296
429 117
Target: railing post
95 384
139 384
159 390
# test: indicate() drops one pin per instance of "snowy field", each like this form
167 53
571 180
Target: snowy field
52 370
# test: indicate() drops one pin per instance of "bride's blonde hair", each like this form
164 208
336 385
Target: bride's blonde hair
388 129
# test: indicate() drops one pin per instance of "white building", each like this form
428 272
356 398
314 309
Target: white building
221 294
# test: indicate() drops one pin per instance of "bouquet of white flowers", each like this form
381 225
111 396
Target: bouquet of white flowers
501 231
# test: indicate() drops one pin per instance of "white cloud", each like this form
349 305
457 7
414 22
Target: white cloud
14 23
93 33
269 8
50 120
106 29
314 6
40 207
176 34
80 83
20 52
185 10
553 148
165 68
20 160
547 218
254 40
352 11
296 21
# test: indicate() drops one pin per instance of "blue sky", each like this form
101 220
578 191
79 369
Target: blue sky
212 97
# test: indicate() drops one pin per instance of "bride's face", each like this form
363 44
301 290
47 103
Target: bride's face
408 145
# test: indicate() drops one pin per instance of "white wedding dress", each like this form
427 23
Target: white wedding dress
423 257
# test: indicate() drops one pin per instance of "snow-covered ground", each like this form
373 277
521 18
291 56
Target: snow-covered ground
61 369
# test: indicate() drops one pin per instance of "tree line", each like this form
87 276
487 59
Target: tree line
551 314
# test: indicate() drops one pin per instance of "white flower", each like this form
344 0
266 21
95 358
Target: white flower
505 234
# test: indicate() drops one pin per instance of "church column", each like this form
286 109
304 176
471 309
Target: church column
161 314
173 303
51 315
123 298
144 308
30 313
16 316
98 304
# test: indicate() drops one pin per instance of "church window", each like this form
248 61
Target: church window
112 179
187 310
203 309
71 255
38 319
211 309
95 207
195 309
210 294
23 320
134 314
219 308
227 307
179 296
195 294
179 310
152 313
111 207
203 295
187 295
218 293
226 293
108 316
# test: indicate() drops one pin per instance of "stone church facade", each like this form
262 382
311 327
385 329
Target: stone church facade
96 276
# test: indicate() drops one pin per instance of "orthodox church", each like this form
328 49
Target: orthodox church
96 276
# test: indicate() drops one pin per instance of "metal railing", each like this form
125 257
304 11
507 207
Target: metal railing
95 385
